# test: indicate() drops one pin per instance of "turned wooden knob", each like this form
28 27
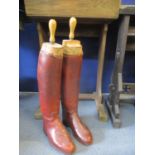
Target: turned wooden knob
52 28
72 25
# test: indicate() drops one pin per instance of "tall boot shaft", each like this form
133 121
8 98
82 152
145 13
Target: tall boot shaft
71 81
71 72
49 79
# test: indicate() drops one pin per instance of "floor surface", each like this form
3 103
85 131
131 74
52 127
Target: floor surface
107 140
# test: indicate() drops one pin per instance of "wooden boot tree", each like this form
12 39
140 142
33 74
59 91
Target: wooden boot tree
71 46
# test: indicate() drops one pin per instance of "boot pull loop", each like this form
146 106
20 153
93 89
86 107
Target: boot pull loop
52 28
72 25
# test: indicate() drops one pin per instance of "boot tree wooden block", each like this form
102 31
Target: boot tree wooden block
71 46
51 47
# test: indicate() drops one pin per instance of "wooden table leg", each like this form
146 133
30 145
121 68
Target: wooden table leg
99 98
41 36
116 86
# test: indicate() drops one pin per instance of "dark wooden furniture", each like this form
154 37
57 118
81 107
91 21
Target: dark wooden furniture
89 12
118 90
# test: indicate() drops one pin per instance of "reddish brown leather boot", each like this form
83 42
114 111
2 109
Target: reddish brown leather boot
49 82
72 62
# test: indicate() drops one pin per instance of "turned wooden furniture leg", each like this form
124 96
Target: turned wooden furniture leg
99 98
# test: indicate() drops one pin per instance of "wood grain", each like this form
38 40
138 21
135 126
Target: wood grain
106 9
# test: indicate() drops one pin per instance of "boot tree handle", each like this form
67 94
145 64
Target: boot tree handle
52 28
72 25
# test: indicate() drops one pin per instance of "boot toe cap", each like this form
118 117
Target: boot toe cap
88 139
70 148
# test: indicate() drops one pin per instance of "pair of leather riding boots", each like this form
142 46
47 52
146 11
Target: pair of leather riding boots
59 70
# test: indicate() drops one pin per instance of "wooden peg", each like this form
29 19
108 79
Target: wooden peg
72 25
52 28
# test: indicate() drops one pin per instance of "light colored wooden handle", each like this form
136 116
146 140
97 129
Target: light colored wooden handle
52 28
72 25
